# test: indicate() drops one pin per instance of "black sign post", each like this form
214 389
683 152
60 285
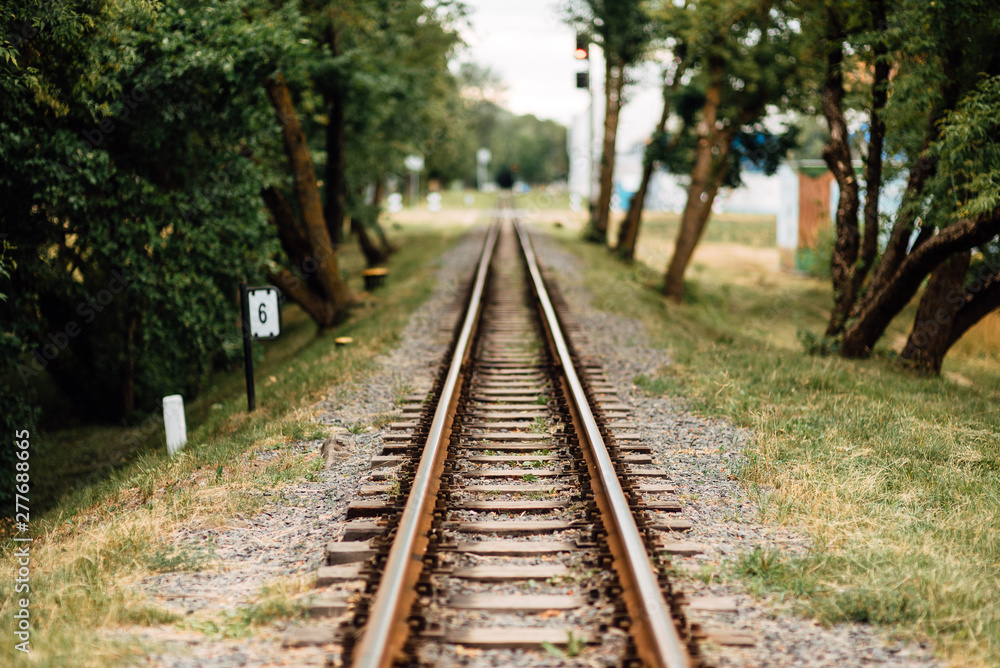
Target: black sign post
247 353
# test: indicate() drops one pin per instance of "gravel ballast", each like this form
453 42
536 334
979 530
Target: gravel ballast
286 539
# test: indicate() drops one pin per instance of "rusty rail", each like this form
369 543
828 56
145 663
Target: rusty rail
657 640
385 632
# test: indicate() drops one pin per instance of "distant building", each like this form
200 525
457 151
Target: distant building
807 205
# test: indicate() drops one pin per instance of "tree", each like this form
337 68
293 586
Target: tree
628 233
961 257
134 210
624 31
381 68
323 294
535 148
847 271
932 101
743 53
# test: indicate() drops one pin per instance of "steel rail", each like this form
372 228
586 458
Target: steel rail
657 640
394 597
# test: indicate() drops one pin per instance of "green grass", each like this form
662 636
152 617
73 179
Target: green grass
168 558
113 528
895 477
272 603
539 425
655 385
574 647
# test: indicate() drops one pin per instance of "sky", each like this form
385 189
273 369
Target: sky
531 47
528 44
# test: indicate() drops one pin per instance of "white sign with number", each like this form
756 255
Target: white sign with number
265 316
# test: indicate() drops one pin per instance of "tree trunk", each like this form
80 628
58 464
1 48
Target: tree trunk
706 176
879 308
378 192
299 252
930 336
873 164
693 223
299 292
902 228
336 179
293 239
336 292
377 196
614 77
981 299
128 365
628 233
936 330
848 269
373 254
837 154
924 168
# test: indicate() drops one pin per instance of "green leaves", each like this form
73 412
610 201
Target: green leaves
135 206
623 28
969 152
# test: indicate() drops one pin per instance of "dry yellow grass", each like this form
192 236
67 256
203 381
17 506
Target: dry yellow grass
982 340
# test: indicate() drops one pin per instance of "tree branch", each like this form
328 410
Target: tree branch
873 164
307 193
880 307
293 239
977 306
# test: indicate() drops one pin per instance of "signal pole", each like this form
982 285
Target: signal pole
582 52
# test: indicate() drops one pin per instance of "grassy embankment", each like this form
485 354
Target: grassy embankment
895 477
106 535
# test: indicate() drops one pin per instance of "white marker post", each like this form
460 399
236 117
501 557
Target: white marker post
173 420
261 320
483 157
414 163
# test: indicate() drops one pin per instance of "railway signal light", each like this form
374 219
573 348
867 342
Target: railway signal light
582 47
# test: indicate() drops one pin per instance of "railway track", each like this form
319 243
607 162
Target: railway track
527 530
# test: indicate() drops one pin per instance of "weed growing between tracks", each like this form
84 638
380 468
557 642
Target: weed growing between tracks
895 478
99 541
